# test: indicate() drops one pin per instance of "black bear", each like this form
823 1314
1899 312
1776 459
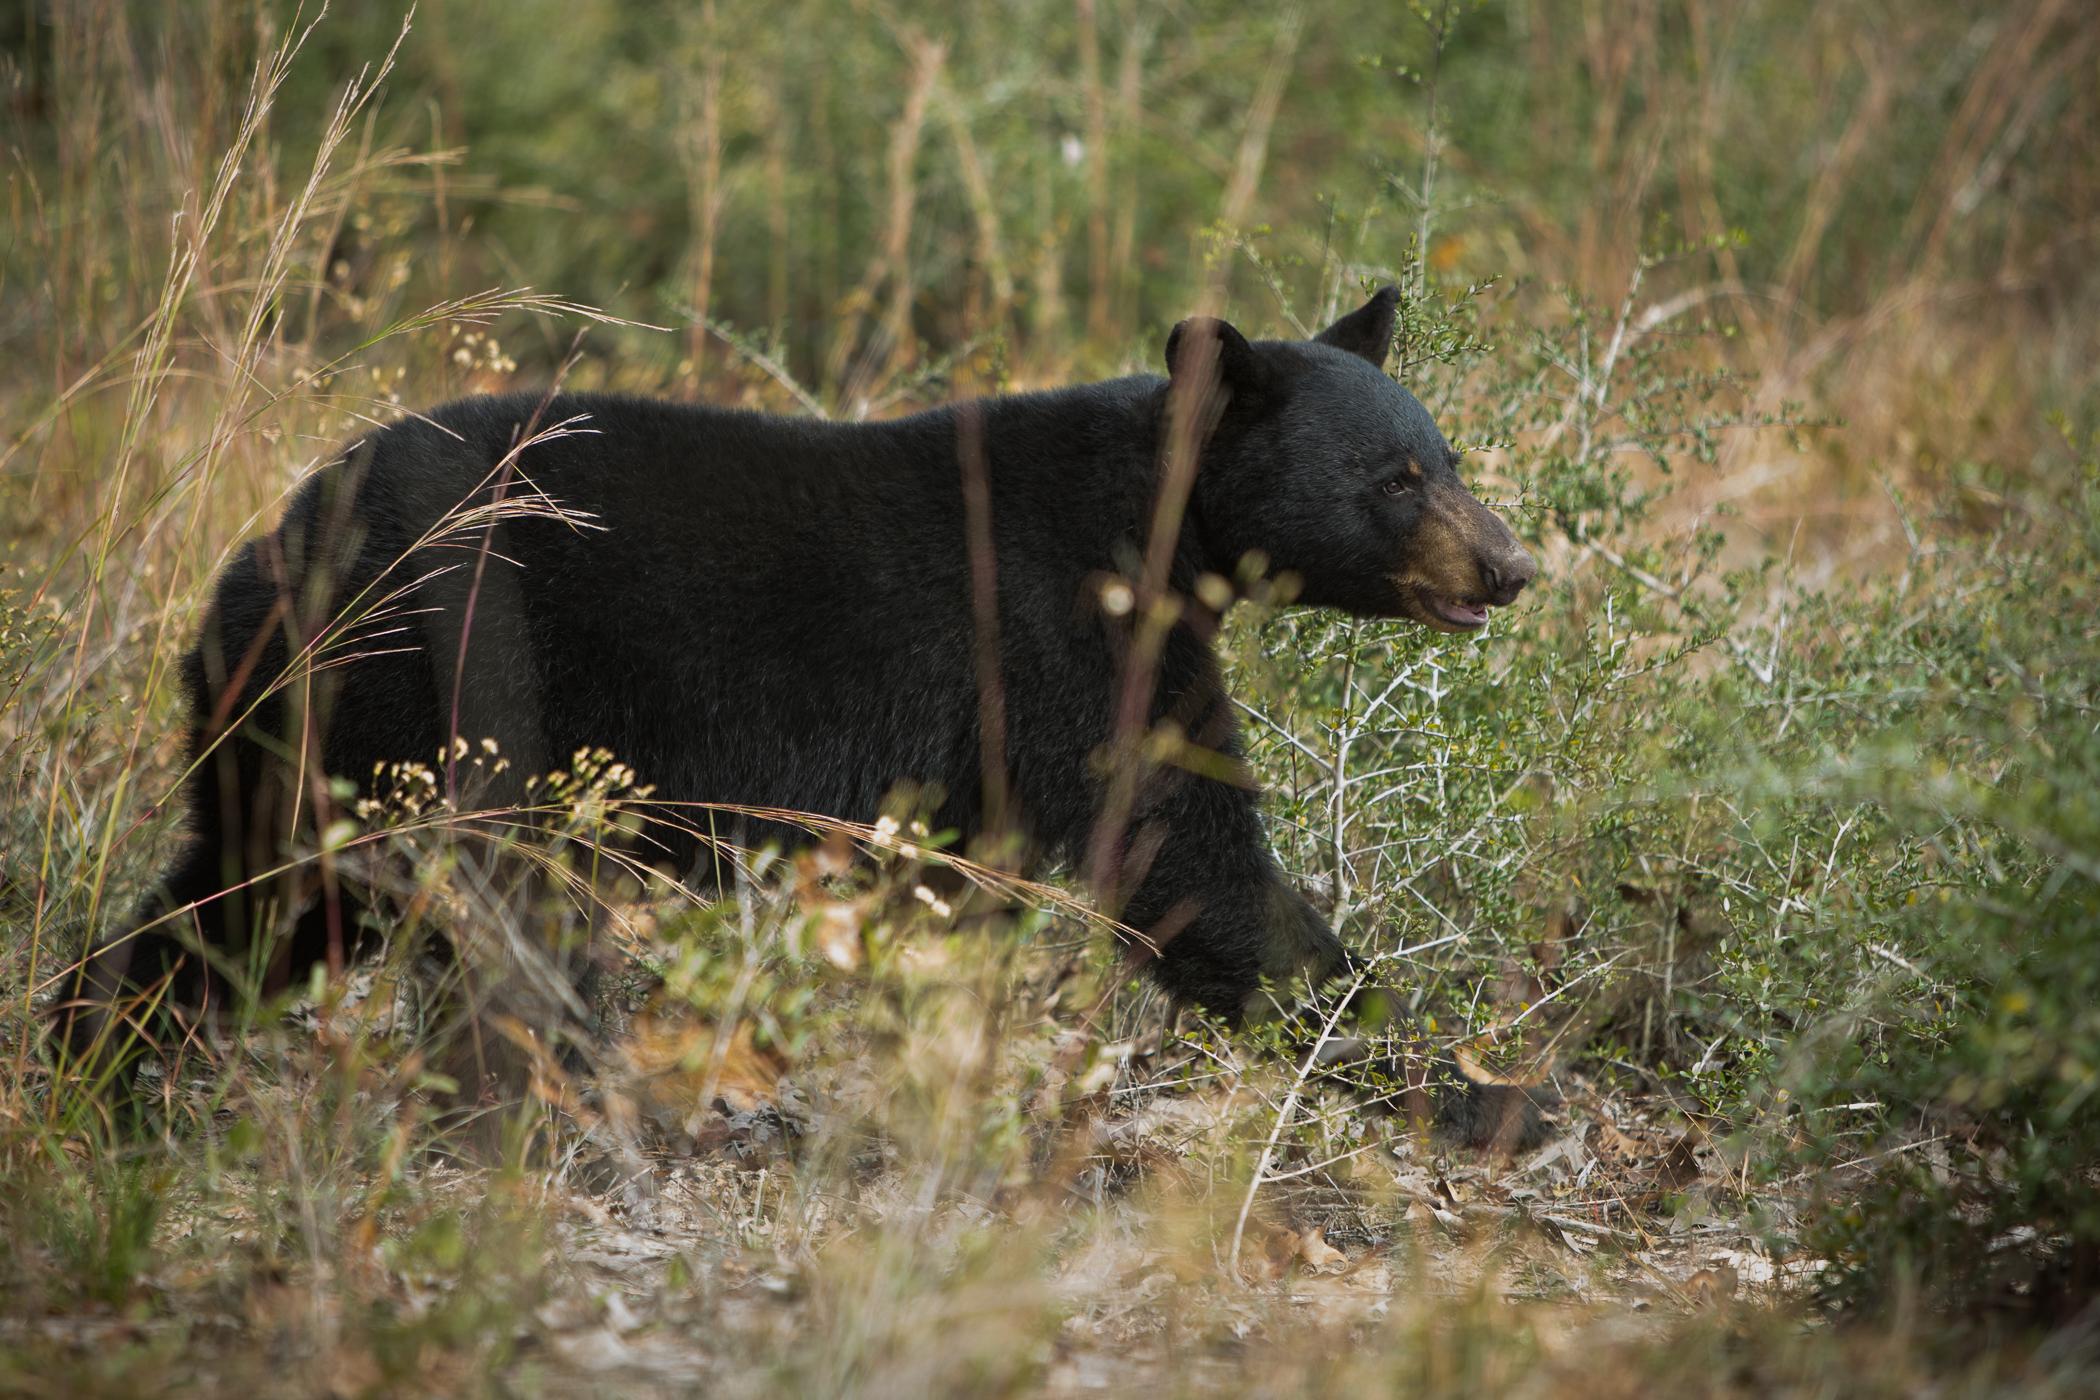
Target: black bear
802 615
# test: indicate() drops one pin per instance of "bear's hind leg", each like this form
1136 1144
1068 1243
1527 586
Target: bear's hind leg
121 987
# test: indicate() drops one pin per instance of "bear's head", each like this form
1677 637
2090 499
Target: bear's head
1314 460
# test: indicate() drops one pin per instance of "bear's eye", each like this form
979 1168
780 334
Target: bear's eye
1396 486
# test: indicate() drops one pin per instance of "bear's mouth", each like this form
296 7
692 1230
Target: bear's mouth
1462 615
1449 614
1443 612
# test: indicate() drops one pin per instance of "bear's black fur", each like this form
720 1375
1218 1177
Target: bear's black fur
752 610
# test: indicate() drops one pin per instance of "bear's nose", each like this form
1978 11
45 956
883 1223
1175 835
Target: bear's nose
1506 577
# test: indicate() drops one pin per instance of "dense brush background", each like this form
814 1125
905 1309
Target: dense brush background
1767 826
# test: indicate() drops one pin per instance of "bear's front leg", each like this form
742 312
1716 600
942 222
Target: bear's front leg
1205 890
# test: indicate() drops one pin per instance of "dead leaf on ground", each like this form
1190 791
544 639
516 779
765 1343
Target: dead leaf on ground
1616 1146
681 1067
1316 1254
1679 1167
1518 1076
1425 1213
1712 1286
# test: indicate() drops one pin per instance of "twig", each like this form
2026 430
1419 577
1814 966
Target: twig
1283 1117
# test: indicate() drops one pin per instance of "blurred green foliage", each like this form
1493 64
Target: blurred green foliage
1067 158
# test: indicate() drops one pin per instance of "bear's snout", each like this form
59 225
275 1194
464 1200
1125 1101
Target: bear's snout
1464 560
1505 565
1506 572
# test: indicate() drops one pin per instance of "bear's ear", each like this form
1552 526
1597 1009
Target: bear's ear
1211 344
1366 332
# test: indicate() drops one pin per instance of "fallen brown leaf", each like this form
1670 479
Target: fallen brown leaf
1318 1255
1679 1167
1712 1286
